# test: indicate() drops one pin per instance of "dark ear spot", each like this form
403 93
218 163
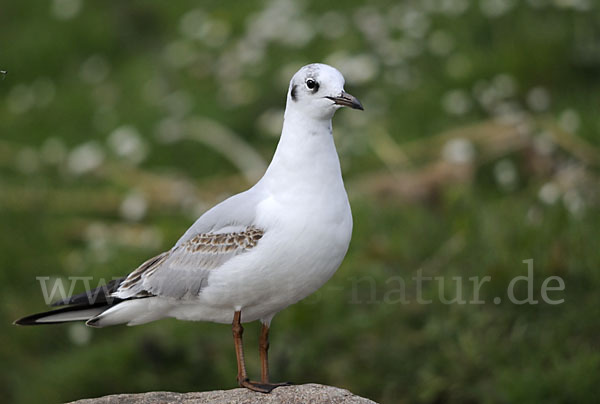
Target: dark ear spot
293 92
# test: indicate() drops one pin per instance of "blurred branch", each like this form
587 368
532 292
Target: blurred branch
491 138
490 141
390 153
574 145
162 190
230 145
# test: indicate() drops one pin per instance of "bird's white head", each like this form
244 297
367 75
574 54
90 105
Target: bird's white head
317 91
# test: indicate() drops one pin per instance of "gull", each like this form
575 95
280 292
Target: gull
253 254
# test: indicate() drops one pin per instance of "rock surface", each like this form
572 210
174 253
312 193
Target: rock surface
302 394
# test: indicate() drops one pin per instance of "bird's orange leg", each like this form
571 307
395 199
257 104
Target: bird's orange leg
242 377
263 347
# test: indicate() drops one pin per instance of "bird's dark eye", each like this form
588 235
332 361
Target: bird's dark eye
312 84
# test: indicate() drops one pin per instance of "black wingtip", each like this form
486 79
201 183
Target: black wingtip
29 320
102 294
33 319
26 321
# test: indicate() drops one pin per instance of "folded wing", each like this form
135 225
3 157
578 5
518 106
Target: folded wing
183 271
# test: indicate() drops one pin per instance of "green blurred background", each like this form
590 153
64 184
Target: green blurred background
121 122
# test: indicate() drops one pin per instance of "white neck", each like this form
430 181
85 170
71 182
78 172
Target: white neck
306 158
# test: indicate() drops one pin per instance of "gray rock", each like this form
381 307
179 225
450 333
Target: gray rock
302 394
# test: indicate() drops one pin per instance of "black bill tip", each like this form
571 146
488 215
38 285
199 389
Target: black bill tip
347 100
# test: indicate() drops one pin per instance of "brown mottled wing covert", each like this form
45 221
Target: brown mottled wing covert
224 242
183 271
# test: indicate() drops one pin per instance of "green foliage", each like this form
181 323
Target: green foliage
99 170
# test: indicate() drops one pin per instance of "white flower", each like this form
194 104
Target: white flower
569 120
126 142
94 69
85 157
79 334
133 207
549 193
66 9
456 102
495 8
538 99
505 173
458 151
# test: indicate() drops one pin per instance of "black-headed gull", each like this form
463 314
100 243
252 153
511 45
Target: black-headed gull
255 253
